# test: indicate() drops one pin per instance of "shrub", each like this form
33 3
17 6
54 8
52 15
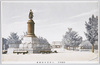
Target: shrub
55 51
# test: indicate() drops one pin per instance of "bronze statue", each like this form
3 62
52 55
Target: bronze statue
30 14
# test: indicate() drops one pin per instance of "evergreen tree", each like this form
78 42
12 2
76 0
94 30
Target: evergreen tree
13 39
43 40
71 38
4 44
92 30
44 43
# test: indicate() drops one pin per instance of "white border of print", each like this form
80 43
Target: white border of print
55 62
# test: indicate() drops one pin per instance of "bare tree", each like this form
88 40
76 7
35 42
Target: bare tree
92 30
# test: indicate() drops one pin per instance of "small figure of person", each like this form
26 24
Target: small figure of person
30 14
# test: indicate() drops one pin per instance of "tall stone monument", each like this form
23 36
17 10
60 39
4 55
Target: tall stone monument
30 42
30 24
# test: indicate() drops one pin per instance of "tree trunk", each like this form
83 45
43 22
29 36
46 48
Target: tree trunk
81 47
69 47
73 48
92 48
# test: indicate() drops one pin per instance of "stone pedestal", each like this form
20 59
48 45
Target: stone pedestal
30 28
33 45
29 44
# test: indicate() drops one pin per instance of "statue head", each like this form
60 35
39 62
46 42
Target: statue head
30 10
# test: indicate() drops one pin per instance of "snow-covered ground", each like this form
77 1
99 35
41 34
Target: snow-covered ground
60 56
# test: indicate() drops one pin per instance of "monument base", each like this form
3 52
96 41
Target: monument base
29 44
33 45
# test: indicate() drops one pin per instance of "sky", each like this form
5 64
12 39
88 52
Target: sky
52 18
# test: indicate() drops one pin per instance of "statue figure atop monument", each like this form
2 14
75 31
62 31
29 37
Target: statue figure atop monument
30 15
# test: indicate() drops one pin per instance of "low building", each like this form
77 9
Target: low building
57 46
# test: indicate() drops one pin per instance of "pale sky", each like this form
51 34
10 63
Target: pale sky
52 19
